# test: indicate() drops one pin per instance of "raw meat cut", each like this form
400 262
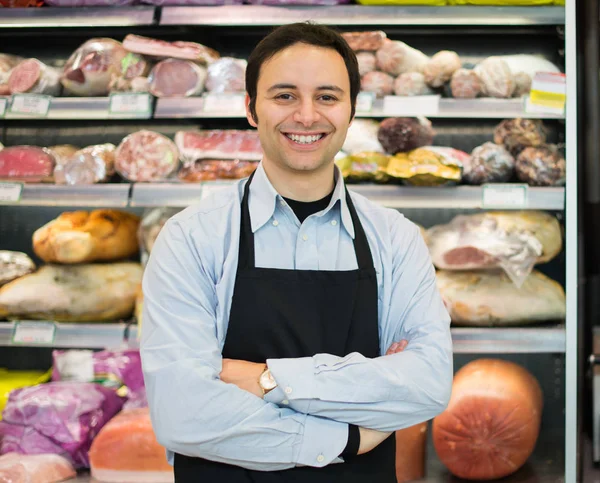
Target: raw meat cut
210 170
89 70
402 134
62 153
73 293
367 62
396 58
489 163
362 136
492 423
177 78
380 83
93 164
7 63
440 67
33 77
367 41
11 380
517 134
496 78
465 84
126 450
227 75
411 84
428 166
219 144
120 84
146 156
164 49
134 65
14 265
489 298
83 237
29 164
522 84
43 468
541 166
58 418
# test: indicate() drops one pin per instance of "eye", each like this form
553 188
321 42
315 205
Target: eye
283 97
328 98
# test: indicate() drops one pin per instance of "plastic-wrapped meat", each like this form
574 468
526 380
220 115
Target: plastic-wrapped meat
212 169
522 84
440 67
364 166
380 83
62 152
541 166
401 134
465 84
89 70
7 63
134 65
177 78
529 64
362 136
14 265
29 164
227 75
42 468
517 134
33 77
367 62
496 77
411 84
90 165
396 58
120 84
152 222
219 144
367 41
146 156
489 163
175 50
428 166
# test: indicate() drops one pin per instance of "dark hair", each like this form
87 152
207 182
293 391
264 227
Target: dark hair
307 33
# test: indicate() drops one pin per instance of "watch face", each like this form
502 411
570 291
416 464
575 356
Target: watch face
267 381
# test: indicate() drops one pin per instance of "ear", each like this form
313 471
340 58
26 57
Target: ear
248 113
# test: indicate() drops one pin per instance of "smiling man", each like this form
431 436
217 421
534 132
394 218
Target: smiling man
289 326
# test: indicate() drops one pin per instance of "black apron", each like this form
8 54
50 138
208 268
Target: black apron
277 313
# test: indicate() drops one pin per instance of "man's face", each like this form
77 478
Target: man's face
303 107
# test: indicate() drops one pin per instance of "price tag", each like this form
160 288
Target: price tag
411 105
30 104
505 195
41 333
10 192
130 103
548 94
225 102
364 101
211 187
3 103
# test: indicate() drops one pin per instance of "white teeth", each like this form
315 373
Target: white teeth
304 139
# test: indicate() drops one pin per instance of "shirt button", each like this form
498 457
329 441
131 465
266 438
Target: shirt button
288 390
320 458
305 237
285 401
275 223
334 222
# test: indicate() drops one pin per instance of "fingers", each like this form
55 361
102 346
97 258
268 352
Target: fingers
397 347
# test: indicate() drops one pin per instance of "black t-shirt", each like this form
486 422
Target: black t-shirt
303 209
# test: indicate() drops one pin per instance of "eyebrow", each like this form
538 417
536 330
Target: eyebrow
292 86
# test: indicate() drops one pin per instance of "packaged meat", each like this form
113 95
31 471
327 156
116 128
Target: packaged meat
28 164
73 293
362 136
396 58
14 265
496 78
522 84
11 380
219 144
175 50
402 134
529 64
492 422
42 468
227 75
126 450
365 166
541 166
465 84
7 63
34 77
177 78
119 83
367 62
439 69
90 68
365 41
427 166
489 163
212 169
489 298
93 164
517 134
134 65
146 156
411 452
514 241
379 83
58 418
411 84
62 153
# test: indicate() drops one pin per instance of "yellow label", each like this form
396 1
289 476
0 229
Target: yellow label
549 99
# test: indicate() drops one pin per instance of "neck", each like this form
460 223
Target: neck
299 185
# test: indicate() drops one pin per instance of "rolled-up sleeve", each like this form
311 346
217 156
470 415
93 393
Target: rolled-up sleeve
193 412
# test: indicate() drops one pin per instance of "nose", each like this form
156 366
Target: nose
307 113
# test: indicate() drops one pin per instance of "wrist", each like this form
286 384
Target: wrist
266 381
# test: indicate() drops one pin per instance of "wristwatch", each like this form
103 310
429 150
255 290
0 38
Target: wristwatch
266 381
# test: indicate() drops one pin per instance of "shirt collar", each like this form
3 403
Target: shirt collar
264 198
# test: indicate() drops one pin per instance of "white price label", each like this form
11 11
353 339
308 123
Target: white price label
10 192
211 187
225 102
411 105
30 104
130 104
505 195
364 101
34 333
548 93
3 103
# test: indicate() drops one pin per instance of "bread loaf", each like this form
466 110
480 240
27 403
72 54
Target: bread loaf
82 237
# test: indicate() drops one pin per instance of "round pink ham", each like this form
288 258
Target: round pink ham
177 78
26 163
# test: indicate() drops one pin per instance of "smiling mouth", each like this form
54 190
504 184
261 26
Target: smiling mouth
304 139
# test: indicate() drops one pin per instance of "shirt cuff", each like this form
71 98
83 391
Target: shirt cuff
353 444
294 377
322 442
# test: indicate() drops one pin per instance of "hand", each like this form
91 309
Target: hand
243 374
397 347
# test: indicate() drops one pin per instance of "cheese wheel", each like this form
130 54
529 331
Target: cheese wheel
492 422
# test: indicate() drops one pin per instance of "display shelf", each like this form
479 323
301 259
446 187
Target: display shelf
501 340
73 335
485 108
75 17
347 15
392 196
105 195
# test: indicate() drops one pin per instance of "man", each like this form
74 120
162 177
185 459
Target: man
269 306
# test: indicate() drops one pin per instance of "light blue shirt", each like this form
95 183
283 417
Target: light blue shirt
188 286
